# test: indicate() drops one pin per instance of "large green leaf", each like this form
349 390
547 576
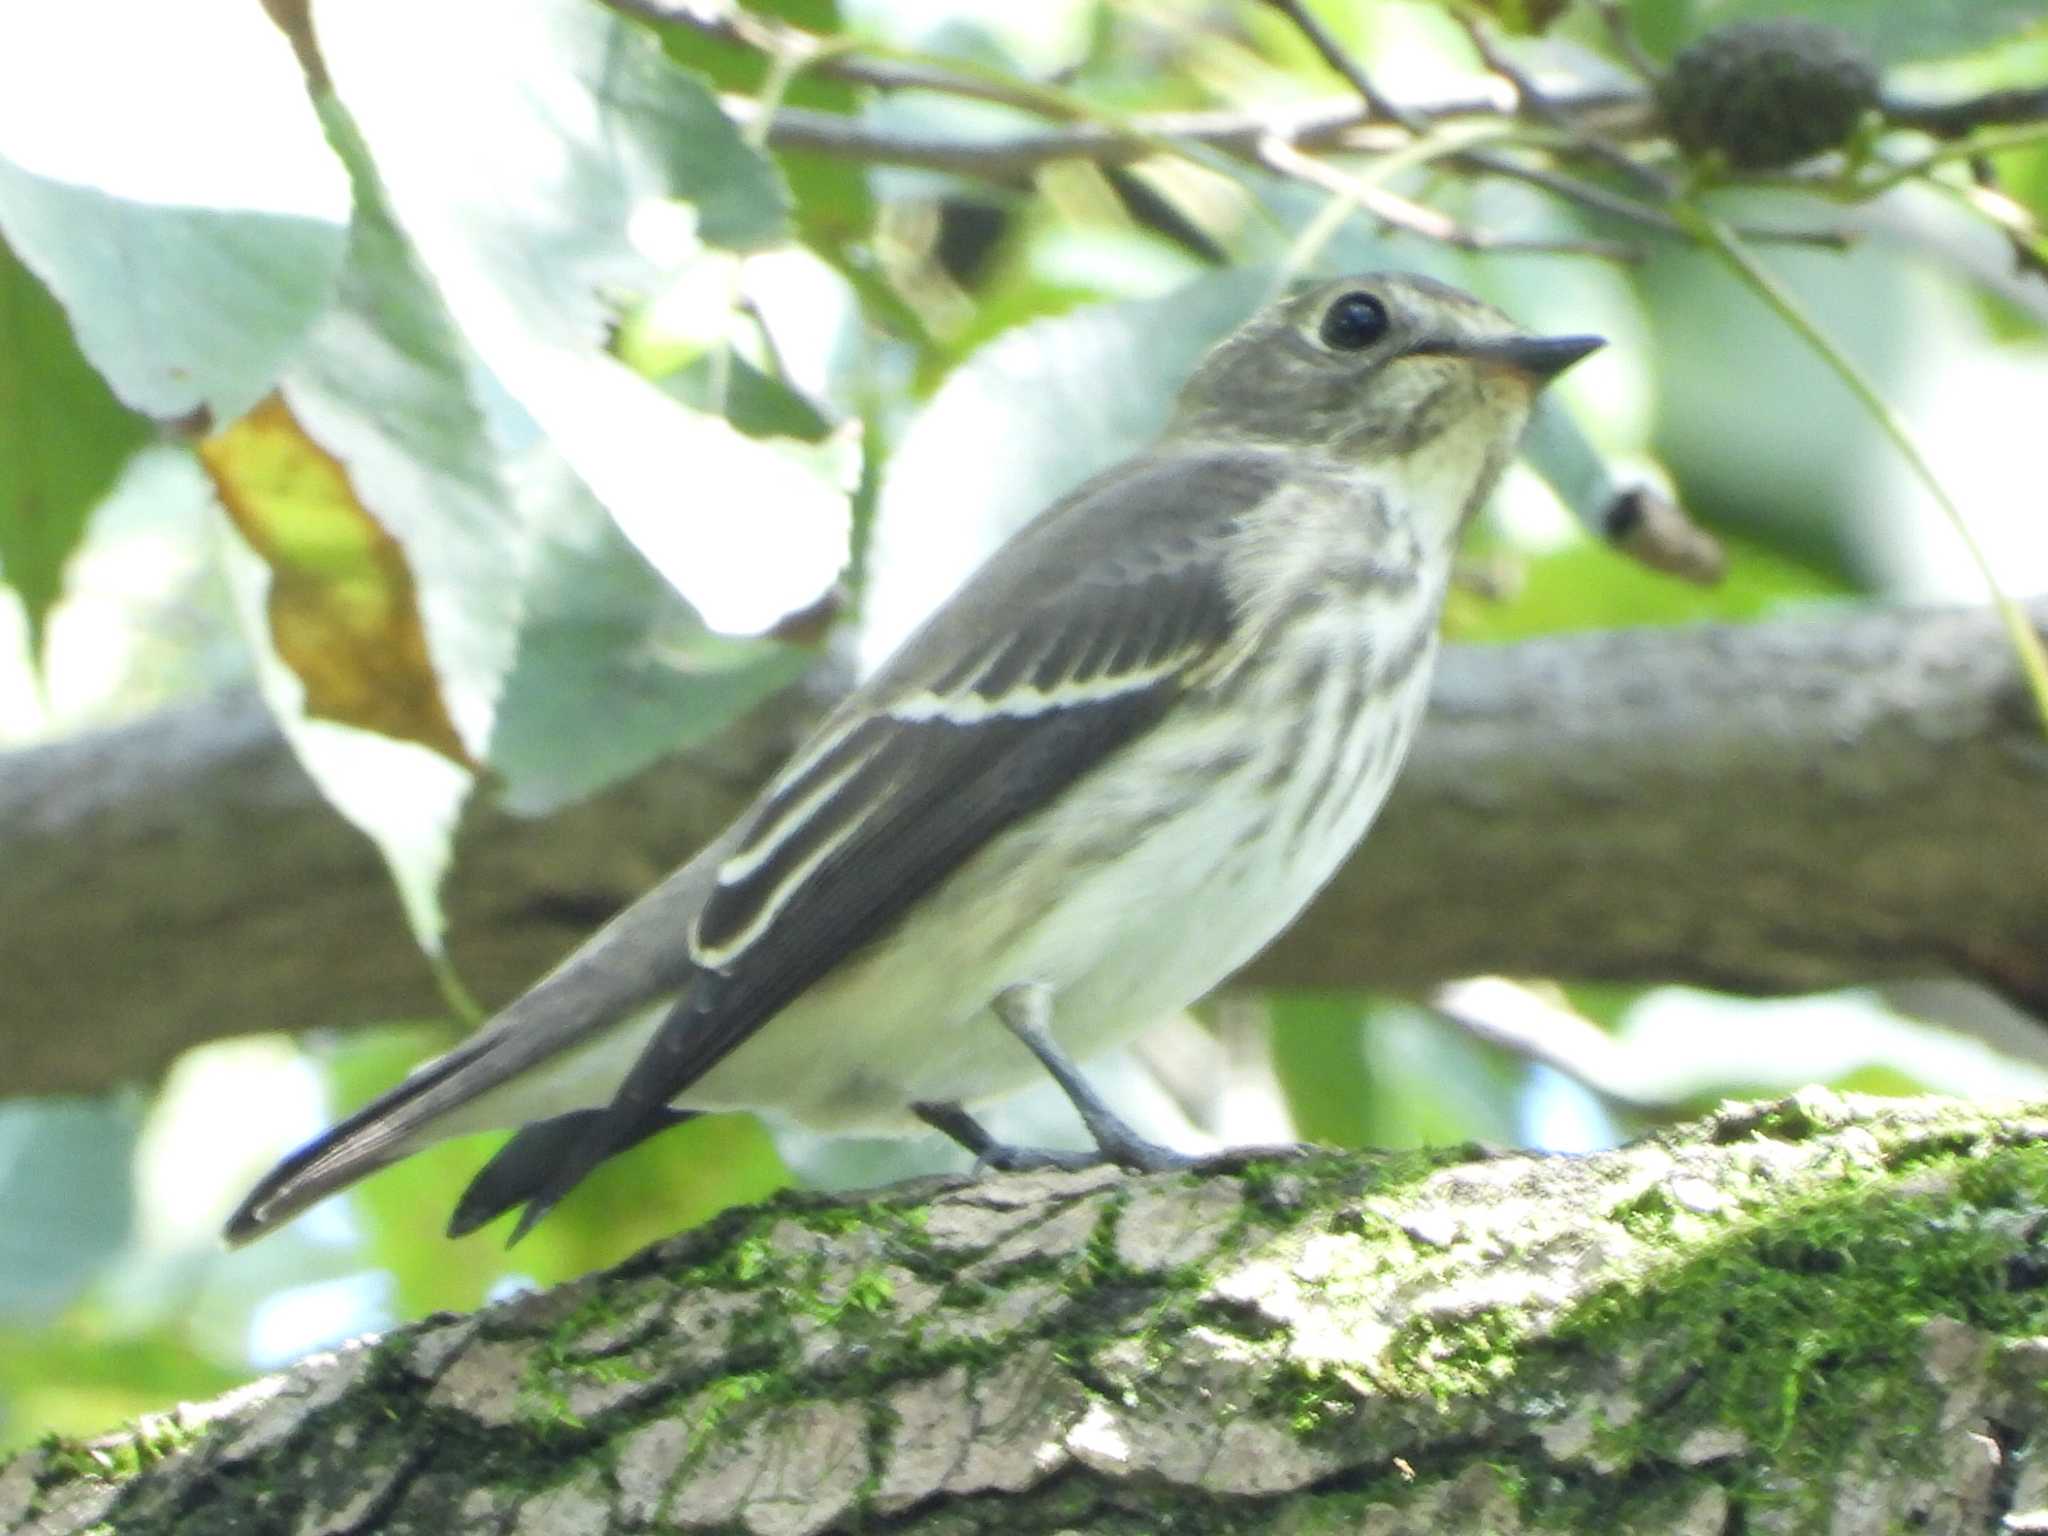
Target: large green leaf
1589 586
1358 1071
165 175
64 439
383 403
830 199
614 668
540 194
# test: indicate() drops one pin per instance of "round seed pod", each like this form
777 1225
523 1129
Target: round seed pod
1768 93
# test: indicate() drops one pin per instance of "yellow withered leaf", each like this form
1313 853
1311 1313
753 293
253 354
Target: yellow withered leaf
343 612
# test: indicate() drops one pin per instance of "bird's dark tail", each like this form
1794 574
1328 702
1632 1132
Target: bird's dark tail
634 963
375 1136
522 1167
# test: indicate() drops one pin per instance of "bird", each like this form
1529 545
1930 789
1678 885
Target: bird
1099 779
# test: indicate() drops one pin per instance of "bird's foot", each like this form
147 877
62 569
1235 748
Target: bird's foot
1026 1011
1127 1150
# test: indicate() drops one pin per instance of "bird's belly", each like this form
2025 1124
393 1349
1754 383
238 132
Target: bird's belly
1190 888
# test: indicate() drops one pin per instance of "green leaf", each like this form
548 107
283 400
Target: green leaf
1359 1071
1522 16
130 183
1589 586
539 194
67 1184
1319 1059
830 198
614 669
64 440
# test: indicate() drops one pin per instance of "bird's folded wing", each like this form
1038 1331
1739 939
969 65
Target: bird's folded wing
1074 640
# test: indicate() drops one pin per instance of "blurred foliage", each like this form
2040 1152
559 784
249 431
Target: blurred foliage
64 439
607 385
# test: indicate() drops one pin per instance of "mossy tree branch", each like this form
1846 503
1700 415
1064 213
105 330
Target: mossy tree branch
1815 1315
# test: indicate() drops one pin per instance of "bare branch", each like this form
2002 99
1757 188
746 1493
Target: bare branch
1307 125
766 35
1243 136
1600 199
1777 807
1955 119
1532 101
1418 219
1333 54
1649 526
1621 33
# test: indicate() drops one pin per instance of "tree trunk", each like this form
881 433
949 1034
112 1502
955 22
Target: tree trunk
1822 1314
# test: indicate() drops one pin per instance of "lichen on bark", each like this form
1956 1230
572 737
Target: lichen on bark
1823 1314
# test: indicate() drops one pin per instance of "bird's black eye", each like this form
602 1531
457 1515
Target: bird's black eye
1353 322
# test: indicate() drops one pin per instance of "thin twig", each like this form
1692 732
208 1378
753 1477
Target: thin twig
2021 230
1319 126
1614 17
1716 237
1954 119
1319 122
1333 54
1329 124
1402 213
1982 194
2028 137
763 35
1617 205
1017 156
1531 100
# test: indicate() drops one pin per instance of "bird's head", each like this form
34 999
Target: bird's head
1376 368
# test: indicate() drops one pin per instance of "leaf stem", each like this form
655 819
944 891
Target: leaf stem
453 992
1711 233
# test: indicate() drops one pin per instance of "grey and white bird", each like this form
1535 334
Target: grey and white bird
1095 783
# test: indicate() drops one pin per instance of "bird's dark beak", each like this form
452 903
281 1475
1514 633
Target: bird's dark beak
1541 358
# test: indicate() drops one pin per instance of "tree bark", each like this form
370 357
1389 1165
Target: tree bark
1769 808
1818 1315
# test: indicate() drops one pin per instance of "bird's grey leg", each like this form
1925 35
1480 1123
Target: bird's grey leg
1027 1013
952 1121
